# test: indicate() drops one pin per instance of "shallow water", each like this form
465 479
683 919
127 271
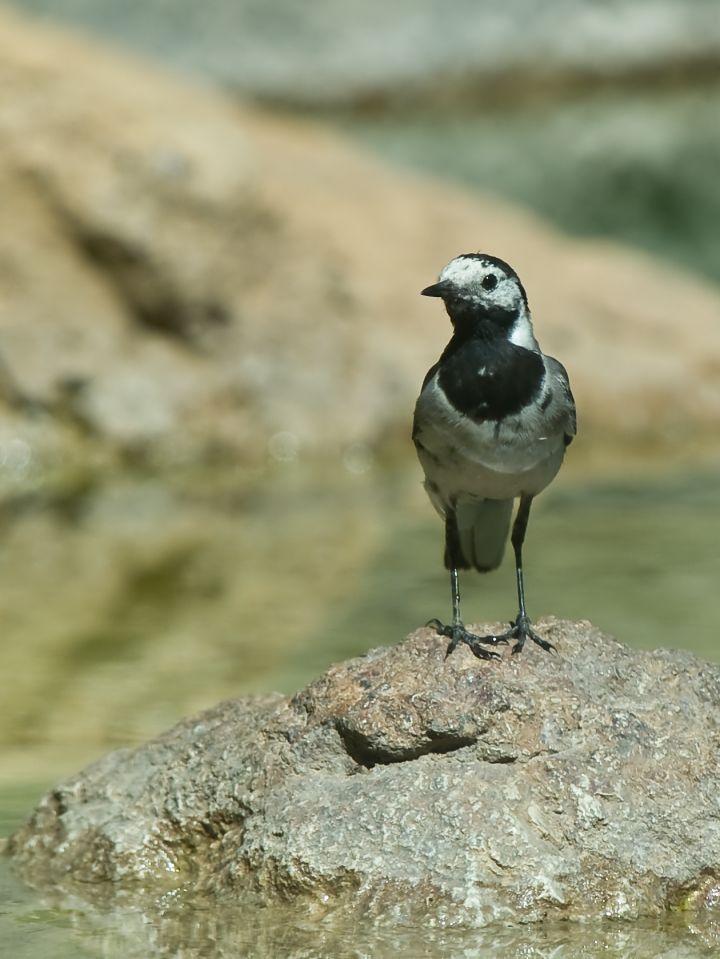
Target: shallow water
136 602
127 606
31 927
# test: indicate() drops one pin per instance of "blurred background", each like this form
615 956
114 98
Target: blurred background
217 218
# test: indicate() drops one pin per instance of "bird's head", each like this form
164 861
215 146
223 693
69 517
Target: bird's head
483 290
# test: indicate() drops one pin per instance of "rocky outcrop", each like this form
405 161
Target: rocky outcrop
404 784
186 280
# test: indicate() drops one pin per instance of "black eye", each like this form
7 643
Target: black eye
489 282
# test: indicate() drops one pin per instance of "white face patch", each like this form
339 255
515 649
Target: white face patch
522 333
467 275
462 271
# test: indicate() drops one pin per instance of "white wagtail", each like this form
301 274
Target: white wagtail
492 422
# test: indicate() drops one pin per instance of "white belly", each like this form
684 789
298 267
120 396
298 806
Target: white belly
485 460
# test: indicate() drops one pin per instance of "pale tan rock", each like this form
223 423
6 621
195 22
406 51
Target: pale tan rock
183 278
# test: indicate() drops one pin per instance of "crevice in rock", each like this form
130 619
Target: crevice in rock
366 754
147 288
147 291
702 891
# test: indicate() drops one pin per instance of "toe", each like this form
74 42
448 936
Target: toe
543 643
483 653
440 628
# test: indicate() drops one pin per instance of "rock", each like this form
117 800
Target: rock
404 785
191 281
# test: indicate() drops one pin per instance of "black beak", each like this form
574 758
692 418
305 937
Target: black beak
437 289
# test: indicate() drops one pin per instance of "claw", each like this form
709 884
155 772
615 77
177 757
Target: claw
521 630
458 634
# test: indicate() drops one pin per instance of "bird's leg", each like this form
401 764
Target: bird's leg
521 630
457 633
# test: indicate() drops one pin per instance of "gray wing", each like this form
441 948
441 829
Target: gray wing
566 415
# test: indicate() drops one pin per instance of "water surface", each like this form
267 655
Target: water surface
128 605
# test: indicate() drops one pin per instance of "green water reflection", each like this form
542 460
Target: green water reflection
127 606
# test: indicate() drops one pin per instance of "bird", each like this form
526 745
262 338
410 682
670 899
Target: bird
491 425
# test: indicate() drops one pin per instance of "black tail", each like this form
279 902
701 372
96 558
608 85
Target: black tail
476 532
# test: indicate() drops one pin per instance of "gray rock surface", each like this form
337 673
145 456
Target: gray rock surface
400 784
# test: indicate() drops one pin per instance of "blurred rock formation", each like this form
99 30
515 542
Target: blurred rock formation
185 280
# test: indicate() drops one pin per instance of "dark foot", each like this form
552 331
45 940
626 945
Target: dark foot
458 634
521 630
